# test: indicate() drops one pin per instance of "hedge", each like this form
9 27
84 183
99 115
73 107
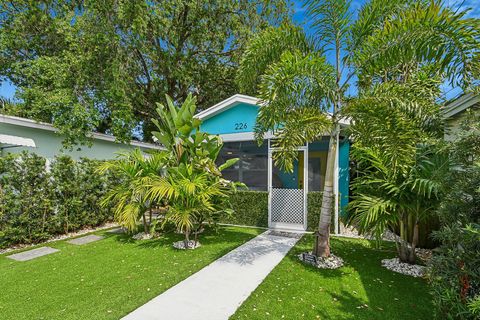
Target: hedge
251 209
37 202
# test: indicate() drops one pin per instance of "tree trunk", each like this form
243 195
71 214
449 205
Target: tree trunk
412 259
322 243
196 236
145 226
406 251
187 239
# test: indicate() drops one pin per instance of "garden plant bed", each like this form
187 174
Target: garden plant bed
105 279
361 289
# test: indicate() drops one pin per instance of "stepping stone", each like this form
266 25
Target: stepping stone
86 239
116 231
32 254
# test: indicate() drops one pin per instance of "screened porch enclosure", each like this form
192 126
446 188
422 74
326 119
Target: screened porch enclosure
252 167
234 120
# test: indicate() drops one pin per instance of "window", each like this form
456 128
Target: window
252 167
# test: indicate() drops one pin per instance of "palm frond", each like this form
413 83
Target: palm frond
265 49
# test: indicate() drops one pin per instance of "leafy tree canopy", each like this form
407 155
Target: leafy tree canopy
101 65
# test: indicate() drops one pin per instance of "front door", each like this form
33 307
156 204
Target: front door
287 194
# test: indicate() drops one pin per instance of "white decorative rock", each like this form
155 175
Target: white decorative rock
396 265
186 245
332 262
142 236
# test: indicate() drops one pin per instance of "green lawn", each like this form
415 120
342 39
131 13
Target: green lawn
105 279
360 290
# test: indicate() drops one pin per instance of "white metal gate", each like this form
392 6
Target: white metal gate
287 204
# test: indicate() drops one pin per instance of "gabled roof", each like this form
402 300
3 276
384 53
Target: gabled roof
460 104
227 104
236 99
28 123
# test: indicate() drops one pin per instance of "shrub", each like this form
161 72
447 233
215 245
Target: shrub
27 209
92 188
314 205
455 275
66 199
36 203
251 209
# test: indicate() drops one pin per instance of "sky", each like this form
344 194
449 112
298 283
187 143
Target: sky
7 90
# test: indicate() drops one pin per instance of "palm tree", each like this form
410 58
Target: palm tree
401 163
195 197
129 196
388 42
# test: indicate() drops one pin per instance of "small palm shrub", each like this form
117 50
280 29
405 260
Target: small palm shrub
128 196
195 197
401 165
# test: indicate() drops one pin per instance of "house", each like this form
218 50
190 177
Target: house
234 120
455 112
18 134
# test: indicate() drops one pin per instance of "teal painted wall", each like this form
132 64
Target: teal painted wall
344 175
242 118
289 179
49 144
239 118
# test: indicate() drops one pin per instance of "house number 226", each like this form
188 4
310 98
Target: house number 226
240 126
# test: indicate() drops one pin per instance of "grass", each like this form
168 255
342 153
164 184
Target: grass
105 279
362 289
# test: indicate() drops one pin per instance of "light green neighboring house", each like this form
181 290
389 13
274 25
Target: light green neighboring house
18 134
455 113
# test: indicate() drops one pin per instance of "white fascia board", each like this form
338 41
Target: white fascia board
242 136
23 122
226 104
460 104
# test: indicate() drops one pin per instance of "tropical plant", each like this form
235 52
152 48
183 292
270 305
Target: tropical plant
193 186
128 197
195 197
400 172
389 42
455 272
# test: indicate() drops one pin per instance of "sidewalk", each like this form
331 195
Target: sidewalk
216 291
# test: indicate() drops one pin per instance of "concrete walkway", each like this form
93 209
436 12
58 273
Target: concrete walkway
216 291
